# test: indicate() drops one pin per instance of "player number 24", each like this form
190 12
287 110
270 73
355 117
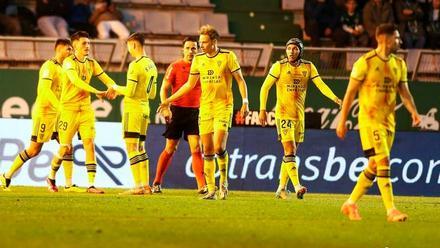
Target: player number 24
286 123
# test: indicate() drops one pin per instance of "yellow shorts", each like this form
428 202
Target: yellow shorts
43 127
218 118
134 126
72 121
290 130
376 141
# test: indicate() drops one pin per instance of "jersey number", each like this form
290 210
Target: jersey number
376 135
286 123
150 83
42 128
62 125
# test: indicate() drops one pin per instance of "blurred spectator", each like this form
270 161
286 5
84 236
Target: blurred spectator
433 25
425 4
107 18
351 32
410 18
375 13
9 22
321 18
79 17
361 4
51 15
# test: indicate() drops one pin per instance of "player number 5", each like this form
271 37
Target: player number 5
376 135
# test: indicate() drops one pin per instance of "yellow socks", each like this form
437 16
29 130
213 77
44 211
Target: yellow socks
364 182
135 168
68 169
292 170
209 170
222 161
284 177
144 169
55 165
91 172
21 158
385 186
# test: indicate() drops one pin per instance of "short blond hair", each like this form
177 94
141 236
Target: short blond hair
210 31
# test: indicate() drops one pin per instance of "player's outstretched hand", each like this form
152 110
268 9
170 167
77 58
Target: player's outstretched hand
338 101
263 118
416 120
111 94
341 130
244 110
100 94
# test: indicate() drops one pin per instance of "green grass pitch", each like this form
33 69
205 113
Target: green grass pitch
33 217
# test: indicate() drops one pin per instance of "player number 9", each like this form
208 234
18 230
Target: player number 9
42 128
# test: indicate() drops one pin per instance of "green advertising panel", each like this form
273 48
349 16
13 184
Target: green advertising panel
18 92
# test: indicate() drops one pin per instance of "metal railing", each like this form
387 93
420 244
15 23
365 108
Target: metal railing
37 56
150 45
332 63
422 64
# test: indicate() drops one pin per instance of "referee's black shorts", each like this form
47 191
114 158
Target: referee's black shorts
184 121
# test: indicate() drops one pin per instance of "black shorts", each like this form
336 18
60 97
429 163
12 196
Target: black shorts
184 121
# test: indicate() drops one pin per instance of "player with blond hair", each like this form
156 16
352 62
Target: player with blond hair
215 67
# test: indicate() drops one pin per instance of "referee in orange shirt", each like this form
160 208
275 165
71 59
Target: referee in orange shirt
182 118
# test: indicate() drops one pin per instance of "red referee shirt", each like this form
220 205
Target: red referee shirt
177 74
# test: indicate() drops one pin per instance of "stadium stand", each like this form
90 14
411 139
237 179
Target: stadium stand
186 22
255 32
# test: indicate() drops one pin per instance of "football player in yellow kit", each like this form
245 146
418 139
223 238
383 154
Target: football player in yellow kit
291 76
377 76
215 67
140 87
76 112
45 113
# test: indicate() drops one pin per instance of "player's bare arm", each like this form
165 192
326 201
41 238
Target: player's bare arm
105 79
242 87
352 89
187 87
408 101
164 89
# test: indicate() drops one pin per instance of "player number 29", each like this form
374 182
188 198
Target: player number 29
62 125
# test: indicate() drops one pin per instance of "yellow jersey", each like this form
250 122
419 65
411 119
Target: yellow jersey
49 87
377 95
71 95
142 78
215 76
291 87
